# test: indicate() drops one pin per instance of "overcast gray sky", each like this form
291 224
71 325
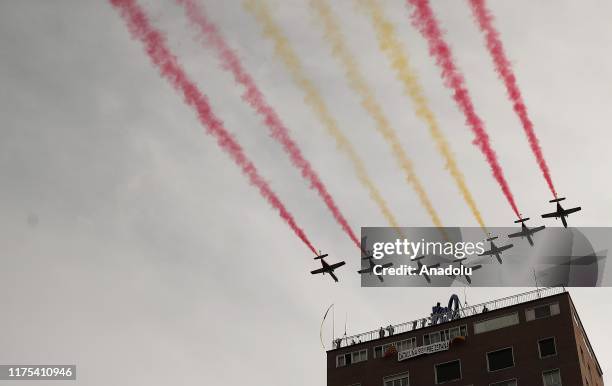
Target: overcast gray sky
132 246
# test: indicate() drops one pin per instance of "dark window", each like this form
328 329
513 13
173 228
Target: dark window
500 359
378 352
552 378
542 312
398 380
449 371
547 347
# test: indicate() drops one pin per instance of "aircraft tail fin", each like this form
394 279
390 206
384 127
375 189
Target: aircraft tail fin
557 199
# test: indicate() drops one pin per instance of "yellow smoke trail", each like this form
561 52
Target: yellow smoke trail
368 102
315 101
389 44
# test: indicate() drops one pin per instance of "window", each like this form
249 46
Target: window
540 312
500 359
351 357
438 336
496 323
457 331
511 382
340 361
547 347
434 337
449 371
406 344
551 378
360 356
379 351
397 380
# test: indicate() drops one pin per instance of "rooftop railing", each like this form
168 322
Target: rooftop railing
450 315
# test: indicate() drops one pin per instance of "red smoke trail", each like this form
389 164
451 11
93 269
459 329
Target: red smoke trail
504 70
425 21
254 97
155 46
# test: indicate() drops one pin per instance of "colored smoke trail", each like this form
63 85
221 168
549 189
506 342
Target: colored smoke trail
170 69
502 65
389 43
425 21
254 97
358 83
315 101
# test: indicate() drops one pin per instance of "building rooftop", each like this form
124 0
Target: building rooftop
454 314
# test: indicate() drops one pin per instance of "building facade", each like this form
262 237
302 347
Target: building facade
531 339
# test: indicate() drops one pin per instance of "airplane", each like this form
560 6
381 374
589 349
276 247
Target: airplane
526 231
326 267
495 250
560 212
371 268
473 267
418 260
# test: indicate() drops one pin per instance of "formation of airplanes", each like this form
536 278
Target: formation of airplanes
494 251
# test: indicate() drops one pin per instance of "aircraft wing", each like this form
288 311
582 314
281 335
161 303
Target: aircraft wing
517 234
504 247
334 276
490 252
320 270
536 229
366 270
572 210
553 214
334 266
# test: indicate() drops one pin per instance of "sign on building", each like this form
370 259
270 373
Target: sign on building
422 350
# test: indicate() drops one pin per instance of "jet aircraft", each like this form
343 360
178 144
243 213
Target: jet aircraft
327 268
560 212
526 231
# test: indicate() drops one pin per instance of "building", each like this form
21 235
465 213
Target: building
530 339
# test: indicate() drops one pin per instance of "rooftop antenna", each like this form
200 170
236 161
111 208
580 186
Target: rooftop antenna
345 319
321 328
